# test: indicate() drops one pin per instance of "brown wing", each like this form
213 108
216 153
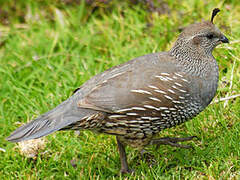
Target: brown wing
149 82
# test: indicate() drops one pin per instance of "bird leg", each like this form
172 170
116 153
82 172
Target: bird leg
123 158
172 141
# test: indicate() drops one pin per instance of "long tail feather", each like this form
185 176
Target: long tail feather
62 116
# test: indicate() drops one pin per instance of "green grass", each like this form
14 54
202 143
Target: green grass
56 49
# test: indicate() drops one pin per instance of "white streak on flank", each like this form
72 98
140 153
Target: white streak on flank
132 121
145 117
160 122
162 78
115 75
178 74
92 125
171 91
154 118
165 74
181 97
141 91
178 84
155 99
174 77
123 110
168 78
162 108
132 114
182 90
162 114
84 118
139 135
116 116
153 87
160 91
90 117
172 109
150 107
108 124
138 108
176 102
148 130
135 129
175 87
184 80
122 123
168 97
122 68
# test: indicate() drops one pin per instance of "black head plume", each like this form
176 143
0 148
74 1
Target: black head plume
214 13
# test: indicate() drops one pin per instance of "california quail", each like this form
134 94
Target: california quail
137 99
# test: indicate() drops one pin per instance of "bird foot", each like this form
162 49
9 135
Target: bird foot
172 141
126 171
146 155
142 152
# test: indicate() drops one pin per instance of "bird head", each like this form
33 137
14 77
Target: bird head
203 36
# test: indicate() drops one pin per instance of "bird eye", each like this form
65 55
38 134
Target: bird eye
210 36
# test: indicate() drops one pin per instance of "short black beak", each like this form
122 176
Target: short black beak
224 39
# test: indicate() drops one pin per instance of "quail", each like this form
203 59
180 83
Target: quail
136 100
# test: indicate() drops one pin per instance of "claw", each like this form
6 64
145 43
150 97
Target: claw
126 171
142 152
172 141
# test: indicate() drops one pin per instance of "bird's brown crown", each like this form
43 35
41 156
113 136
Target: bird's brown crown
203 36
203 27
